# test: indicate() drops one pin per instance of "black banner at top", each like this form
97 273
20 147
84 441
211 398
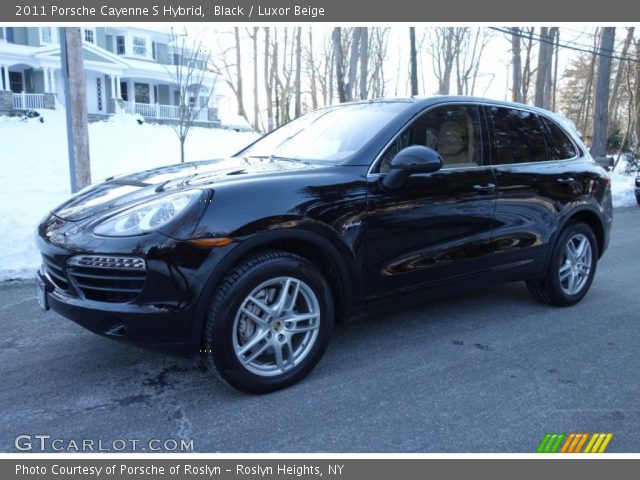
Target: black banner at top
109 11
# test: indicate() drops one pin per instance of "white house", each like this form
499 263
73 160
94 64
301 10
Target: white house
129 68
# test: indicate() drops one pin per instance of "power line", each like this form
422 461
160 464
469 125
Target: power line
564 44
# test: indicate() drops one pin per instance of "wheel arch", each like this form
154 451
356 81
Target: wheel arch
592 219
338 269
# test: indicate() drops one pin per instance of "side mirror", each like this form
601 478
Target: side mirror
409 161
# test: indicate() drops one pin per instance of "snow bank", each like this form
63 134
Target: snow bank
34 171
623 186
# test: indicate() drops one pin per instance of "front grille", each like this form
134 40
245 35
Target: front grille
107 279
55 271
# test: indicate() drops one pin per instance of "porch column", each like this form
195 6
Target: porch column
114 94
47 79
119 93
5 73
52 80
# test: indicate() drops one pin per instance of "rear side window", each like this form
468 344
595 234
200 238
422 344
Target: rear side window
519 136
560 146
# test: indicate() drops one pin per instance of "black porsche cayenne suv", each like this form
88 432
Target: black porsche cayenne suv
348 210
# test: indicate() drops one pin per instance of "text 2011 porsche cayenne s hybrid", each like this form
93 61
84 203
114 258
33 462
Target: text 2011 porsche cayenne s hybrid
250 260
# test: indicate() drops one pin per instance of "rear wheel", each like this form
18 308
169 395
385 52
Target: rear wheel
571 270
268 323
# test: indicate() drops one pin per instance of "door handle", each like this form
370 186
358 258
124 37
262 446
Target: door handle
566 180
485 188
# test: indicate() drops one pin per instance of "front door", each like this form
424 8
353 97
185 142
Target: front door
437 227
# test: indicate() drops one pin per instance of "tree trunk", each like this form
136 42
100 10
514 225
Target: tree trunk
413 61
239 91
298 86
312 69
526 72
601 115
353 62
556 51
622 64
364 62
256 108
546 99
336 37
544 66
268 80
637 100
516 60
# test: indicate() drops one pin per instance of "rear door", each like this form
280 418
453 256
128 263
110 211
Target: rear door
535 165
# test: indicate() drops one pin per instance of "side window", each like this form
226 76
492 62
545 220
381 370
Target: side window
519 136
560 147
452 130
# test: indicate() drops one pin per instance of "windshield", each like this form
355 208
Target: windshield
330 134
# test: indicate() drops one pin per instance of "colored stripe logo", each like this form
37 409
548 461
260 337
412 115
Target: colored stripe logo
574 442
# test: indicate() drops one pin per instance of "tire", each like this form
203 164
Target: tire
258 343
556 287
638 199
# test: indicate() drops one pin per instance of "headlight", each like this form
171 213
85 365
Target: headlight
147 216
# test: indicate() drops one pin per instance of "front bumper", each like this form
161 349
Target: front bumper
148 326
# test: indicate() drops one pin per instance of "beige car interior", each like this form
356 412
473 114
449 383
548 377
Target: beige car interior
453 137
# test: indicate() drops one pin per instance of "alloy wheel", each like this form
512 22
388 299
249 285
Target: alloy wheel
276 326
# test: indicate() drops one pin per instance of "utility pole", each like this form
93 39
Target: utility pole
75 99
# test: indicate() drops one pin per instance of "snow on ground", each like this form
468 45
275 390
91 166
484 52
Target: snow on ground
34 171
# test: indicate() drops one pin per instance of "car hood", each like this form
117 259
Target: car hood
124 190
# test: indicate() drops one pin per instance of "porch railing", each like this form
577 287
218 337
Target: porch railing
156 110
28 101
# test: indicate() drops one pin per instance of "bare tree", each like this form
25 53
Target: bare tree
622 65
313 73
253 35
193 82
338 56
516 65
364 61
413 61
268 74
601 115
297 81
445 43
239 89
472 45
354 52
545 62
377 57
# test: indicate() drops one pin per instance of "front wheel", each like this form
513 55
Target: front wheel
268 322
571 270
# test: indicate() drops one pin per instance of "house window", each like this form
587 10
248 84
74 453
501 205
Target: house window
154 53
124 91
15 82
139 46
89 36
120 45
9 34
45 35
142 92
1 33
